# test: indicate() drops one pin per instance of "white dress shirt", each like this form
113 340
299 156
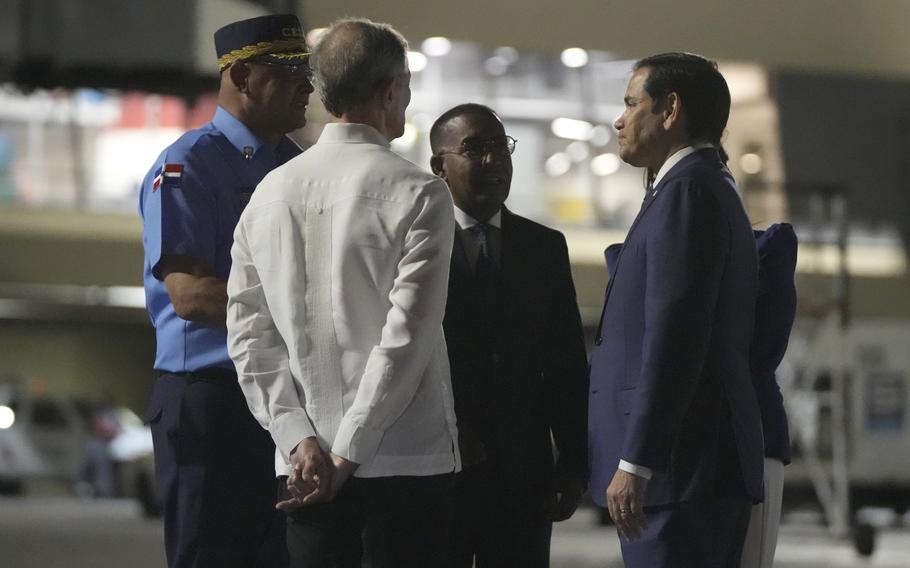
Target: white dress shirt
464 222
674 159
336 300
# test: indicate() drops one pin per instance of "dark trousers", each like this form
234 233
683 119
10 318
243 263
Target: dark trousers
494 526
706 533
215 474
386 522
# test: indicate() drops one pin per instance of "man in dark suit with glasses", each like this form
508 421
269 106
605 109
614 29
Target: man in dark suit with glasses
517 355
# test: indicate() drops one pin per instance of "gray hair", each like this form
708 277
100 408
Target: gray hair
353 58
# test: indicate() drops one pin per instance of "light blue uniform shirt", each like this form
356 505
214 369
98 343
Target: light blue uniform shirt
190 202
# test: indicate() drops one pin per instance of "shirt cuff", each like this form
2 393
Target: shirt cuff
356 443
639 470
289 429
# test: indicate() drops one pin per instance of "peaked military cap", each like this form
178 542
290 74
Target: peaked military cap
276 38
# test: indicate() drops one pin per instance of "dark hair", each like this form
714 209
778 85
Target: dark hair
437 132
702 89
353 58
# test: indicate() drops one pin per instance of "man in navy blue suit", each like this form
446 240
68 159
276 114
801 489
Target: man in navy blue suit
674 429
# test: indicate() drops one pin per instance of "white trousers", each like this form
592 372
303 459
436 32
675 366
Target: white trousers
761 539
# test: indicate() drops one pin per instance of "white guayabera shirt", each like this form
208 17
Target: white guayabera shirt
336 300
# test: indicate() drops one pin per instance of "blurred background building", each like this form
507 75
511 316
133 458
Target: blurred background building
819 136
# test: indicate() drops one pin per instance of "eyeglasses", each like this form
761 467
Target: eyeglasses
477 148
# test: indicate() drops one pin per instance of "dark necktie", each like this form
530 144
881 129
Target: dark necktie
484 268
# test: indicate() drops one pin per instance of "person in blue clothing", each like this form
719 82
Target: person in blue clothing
674 425
214 464
775 310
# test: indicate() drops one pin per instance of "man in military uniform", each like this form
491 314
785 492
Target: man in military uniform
213 462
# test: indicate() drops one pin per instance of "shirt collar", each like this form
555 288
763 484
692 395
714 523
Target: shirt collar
351 133
235 131
465 221
677 157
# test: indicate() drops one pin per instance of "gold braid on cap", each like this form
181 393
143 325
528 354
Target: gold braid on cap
265 48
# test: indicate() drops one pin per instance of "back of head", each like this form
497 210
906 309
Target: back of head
702 89
354 58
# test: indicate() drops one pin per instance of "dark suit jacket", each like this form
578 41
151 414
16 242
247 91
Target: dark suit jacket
671 385
774 312
518 359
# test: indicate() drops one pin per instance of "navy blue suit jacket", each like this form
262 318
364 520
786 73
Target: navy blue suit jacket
775 310
670 380
774 313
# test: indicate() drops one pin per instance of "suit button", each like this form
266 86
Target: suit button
598 341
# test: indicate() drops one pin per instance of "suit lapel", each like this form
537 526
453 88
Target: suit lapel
646 204
511 262
641 213
459 257
513 259
460 278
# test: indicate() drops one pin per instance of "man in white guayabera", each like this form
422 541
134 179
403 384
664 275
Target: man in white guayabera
336 301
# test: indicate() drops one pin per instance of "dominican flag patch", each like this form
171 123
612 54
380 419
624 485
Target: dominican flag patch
167 174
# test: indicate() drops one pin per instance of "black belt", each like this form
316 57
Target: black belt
216 373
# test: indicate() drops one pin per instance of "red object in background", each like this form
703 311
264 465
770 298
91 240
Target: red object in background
144 110
202 111
171 113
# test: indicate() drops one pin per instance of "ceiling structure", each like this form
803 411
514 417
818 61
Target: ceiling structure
851 37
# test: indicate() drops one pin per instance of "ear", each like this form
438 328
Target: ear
672 111
437 164
387 93
240 74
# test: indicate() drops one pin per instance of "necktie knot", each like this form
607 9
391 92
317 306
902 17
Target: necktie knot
481 232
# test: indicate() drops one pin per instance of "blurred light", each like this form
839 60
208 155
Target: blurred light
436 46
507 54
601 135
122 156
496 66
618 69
7 417
750 163
407 140
417 61
558 164
578 151
92 96
314 36
605 164
746 81
422 121
868 260
574 57
126 296
572 129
